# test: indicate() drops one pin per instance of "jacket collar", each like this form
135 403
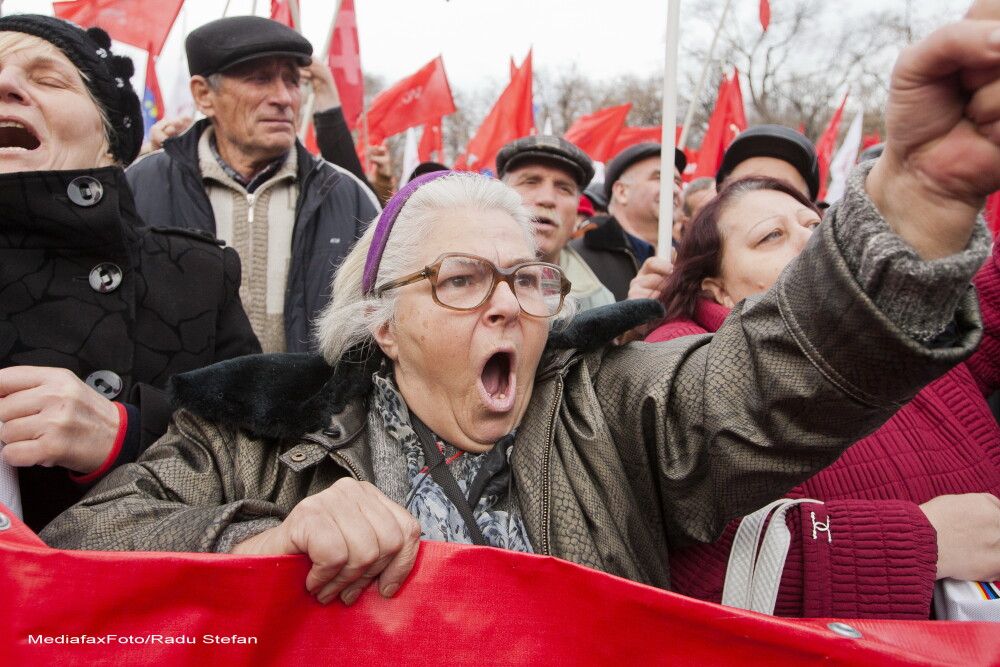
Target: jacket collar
289 395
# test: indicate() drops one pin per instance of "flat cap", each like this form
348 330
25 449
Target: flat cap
546 149
775 141
229 41
633 154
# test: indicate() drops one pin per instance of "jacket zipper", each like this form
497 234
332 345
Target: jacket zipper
343 460
250 235
546 496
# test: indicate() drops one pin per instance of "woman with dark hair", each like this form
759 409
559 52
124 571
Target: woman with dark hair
905 506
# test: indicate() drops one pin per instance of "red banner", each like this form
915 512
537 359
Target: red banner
511 117
344 58
824 147
281 11
136 22
431 148
595 134
417 99
727 120
765 14
461 605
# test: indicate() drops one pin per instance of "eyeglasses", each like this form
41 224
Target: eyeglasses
465 282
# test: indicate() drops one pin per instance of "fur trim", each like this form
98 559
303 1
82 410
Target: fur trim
595 328
286 395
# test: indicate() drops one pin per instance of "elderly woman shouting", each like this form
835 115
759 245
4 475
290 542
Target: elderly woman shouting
97 311
445 408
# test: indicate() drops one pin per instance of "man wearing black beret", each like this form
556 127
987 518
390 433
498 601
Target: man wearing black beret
241 174
549 173
775 151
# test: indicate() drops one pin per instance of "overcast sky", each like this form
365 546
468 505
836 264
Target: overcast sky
604 38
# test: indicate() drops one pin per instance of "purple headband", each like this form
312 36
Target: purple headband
384 225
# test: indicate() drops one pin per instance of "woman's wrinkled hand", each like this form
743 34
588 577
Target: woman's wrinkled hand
352 533
51 418
968 535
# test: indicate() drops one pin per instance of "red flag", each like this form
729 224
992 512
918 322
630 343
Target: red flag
345 60
728 119
992 214
870 140
510 118
137 22
417 99
281 11
595 133
765 14
431 148
152 99
513 68
825 146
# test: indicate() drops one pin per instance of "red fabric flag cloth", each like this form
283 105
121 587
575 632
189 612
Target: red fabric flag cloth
431 148
727 120
137 22
344 58
765 14
870 140
460 605
595 134
417 99
825 146
281 11
510 118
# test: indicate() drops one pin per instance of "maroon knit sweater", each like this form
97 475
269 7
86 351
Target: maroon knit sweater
883 555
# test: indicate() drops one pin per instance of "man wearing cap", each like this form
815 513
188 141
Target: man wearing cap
549 173
627 237
775 151
241 174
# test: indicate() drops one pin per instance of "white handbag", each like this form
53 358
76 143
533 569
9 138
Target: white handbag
754 571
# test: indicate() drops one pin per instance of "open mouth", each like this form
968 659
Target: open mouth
15 136
542 220
497 379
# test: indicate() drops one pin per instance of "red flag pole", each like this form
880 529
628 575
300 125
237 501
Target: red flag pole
689 117
307 108
669 135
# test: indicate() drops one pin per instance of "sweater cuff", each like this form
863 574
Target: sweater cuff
920 296
865 559
125 424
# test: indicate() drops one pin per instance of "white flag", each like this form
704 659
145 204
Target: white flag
843 162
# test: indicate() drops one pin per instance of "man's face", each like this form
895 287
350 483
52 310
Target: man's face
255 110
553 196
640 196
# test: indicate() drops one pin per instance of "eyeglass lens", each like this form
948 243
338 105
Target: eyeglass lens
464 282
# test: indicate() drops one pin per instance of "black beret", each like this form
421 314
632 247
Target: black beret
634 154
229 41
777 142
107 76
547 149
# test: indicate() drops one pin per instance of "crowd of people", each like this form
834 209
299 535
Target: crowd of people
232 345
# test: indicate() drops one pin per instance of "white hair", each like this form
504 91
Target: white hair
351 317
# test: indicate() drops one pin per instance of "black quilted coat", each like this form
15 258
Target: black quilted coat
85 286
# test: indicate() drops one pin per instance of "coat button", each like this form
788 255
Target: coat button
105 383
105 277
85 191
298 457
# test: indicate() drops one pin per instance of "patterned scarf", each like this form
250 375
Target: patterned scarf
439 519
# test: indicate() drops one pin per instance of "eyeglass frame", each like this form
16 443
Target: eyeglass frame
430 273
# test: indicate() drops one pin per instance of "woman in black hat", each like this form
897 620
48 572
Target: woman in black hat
96 310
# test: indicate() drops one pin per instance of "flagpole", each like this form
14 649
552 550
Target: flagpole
701 79
669 137
307 108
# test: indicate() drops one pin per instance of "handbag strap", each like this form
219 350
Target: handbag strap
753 577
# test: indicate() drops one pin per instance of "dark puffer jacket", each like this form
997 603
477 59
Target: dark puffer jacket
84 286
